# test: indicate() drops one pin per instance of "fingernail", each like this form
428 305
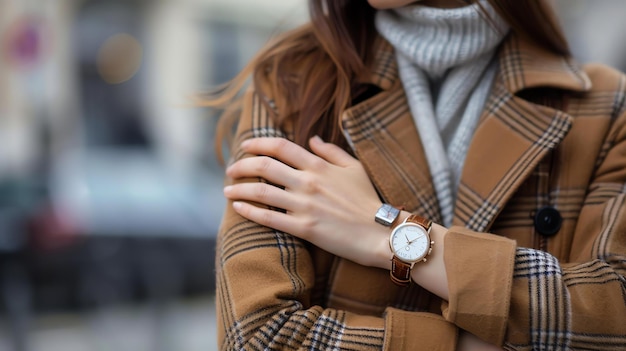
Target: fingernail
317 139
237 205
228 189
245 143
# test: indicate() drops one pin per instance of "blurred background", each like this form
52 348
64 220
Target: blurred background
110 193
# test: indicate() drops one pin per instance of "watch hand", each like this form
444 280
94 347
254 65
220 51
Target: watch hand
412 241
407 239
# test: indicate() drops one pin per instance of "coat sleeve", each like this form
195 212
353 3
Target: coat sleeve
264 281
526 299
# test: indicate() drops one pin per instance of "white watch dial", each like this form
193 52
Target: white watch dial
410 242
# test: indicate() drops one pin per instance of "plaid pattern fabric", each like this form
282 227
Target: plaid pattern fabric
529 292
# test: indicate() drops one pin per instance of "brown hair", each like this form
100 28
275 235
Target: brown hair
338 42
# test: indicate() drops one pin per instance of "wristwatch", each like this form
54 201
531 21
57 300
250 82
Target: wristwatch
386 215
410 243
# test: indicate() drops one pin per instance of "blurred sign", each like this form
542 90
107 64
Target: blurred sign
23 43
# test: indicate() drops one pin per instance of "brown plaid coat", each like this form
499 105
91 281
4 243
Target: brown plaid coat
509 284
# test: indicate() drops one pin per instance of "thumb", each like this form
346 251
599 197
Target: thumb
331 152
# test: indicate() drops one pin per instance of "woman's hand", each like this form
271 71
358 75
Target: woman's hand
328 197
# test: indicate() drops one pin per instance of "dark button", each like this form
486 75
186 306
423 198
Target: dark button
548 221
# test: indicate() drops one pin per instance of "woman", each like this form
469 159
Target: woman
506 159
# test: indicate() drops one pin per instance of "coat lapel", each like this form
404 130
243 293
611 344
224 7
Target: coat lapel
511 140
514 135
383 136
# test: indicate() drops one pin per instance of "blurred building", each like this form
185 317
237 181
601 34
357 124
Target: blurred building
594 29
95 96
109 187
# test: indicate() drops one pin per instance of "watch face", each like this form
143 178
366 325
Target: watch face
409 242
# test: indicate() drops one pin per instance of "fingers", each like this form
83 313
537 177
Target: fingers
298 157
265 167
281 149
331 152
269 218
261 193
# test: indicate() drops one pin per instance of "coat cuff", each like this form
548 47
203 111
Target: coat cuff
480 273
418 331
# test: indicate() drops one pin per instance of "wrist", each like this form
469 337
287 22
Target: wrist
432 276
383 254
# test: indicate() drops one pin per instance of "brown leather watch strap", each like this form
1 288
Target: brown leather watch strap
400 272
426 223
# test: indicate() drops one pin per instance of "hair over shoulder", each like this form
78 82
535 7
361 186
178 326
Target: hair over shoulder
310 73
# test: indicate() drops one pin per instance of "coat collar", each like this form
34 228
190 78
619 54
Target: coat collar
514 135
523 65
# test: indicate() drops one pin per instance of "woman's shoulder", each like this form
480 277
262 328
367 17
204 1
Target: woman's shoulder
605 78
606 95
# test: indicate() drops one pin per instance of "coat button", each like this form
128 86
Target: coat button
548 221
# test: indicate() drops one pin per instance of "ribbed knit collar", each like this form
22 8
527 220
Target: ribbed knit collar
438 39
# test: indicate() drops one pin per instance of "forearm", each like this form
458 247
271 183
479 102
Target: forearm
252 258
431 274
278 307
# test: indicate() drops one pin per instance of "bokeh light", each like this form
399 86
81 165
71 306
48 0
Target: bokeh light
119 58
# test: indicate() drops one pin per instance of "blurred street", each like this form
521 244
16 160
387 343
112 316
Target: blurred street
181 325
